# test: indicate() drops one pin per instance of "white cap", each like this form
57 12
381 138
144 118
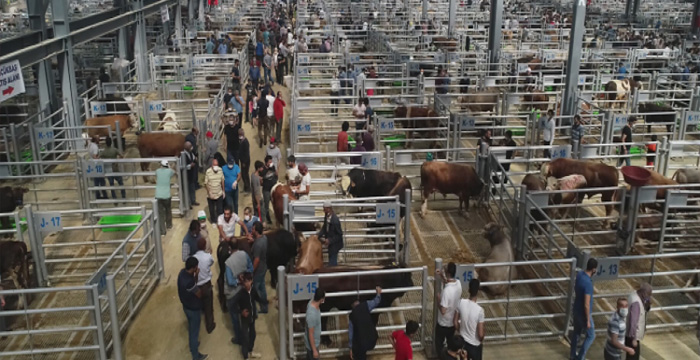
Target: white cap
201 215
327 204
164 163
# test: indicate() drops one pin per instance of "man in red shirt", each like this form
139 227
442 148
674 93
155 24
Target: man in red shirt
342 144
401 341
278 107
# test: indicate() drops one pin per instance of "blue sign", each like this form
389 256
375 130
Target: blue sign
619 121
101 280
303 287
562 151
155 106
387 213
49 222
98 107
304 128
465 273
44 135
95 169
370 161
608 269
693 118
386 125
468 122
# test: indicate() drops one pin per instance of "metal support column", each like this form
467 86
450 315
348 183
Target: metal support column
141 47
47 95
574 59
424 14
281 301
437 290
495 36
452 16
61 27
635 9
695 22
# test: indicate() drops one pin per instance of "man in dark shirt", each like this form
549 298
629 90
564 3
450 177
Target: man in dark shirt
192 138
236 76
260 264
246 305
331 233
190 296
244 160
227 98
362 330
626 137
263 120
269 179
104 78
250 92
508 141
231 128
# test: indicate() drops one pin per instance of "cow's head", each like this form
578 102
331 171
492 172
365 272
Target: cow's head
546 170
18 195
349 183
400 112
493 233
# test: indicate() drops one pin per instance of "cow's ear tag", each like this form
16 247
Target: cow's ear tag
393 263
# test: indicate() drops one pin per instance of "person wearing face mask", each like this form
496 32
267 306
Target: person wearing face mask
232 177
293 176
256 188
214 184
616 332
304 188
203 232
269 179
639 306
249 219
227 98
191 298
244 158
231 127
583 308
274 152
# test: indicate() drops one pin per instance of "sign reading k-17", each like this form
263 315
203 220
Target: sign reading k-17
11 82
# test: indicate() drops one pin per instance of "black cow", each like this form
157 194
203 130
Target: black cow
11 114
354 283
368 183
14 266
669 119
116 105
10 199
282 248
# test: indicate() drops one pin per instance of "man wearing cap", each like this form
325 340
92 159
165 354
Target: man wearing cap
304 188
331 233
211 148
232 176
214 183
293 176
165 214
203 232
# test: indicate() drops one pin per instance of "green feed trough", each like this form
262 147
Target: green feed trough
24 225
395 141
518 132
188 88
119 220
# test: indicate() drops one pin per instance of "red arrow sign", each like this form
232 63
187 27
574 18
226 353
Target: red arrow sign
8 91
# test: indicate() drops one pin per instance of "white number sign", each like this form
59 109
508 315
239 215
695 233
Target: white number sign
465 273
387 213
693 117
608 269
49 222
303 287
468 122
98 107
304 128
44 135
386 125
95 169
562 151
370 161
155 106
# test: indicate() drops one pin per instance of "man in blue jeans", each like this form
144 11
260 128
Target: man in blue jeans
260 264
236 264
583 307
191 299
232 177
331 233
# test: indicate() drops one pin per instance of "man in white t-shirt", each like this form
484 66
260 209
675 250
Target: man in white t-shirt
448 300
304 188
227 224
470 320
270 109
293 175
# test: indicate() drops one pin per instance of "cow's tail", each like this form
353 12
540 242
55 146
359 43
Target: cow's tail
423 177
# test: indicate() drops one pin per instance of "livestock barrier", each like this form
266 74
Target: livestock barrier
372 226
298 289
80 254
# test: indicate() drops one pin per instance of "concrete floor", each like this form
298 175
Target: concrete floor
159 331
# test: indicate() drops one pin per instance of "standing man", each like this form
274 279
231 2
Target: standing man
94 153
274 151
191 161
254 73
246 306
264 117
448 300
470 320
401 341
165 213
312 331
358 111
192 139
231 128
256 189
227 225
236 75
189 241
293 175
548 133
190 296
211 148
583 307
368 138
214 183
248 219
236 264
331 233
267 66
616 332
342 141
203 232
361 327
269 179
626 140
278 106
112 153
244 158
304 188
237 104
206 261
260 264
232 177
639 305
577 133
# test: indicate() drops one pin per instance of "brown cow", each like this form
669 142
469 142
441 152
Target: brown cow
482 101
14 266
448 178
10 199
501 251
537 100
311 256
111 120
277 198
655 179
429 119
597 175
620 90
159 144
533 62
